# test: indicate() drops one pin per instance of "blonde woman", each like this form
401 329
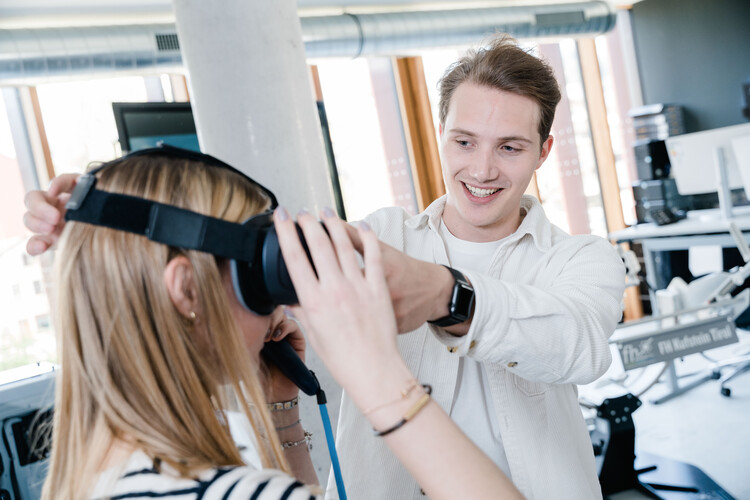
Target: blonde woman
156 350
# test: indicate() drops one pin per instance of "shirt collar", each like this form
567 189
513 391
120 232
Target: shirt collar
431 215
535 222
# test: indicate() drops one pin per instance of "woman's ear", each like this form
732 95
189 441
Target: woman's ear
179 277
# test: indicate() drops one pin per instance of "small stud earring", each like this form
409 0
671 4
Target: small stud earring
192 315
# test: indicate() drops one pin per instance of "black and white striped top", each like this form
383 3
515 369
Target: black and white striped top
140 479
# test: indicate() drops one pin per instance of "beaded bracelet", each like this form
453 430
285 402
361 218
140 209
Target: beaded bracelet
284 405
410 414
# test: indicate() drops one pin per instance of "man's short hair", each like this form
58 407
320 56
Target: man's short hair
503 65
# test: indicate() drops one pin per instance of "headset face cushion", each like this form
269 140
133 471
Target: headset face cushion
248 277
265 283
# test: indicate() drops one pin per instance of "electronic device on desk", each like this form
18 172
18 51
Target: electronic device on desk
663 215
651 159
658 201
26 399
712 161
657 121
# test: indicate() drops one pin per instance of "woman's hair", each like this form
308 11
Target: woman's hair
132 367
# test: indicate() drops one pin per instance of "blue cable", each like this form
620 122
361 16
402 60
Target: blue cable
282 354
331 444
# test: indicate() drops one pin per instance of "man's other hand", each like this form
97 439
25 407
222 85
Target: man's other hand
45 216
420 291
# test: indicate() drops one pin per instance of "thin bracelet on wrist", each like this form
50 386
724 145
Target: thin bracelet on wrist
413 384
283 405
307 439
285 427
410 414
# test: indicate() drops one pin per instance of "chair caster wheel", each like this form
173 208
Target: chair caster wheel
726 391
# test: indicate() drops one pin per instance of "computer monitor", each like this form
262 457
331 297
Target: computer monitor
145 124
693 163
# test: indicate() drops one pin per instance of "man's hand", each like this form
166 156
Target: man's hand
420 291
46 211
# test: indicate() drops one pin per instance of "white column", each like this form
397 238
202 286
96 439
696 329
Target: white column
254 108
251 95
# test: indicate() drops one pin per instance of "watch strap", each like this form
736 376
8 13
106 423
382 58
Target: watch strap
454 317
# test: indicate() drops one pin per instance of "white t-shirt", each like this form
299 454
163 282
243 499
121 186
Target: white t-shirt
472 407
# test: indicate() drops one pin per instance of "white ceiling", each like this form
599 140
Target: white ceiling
54 13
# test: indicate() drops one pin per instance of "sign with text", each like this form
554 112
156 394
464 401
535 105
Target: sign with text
676 341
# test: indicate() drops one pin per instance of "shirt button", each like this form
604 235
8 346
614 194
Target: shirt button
473 344
512 364
452 349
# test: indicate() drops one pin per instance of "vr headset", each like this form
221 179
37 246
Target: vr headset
259 275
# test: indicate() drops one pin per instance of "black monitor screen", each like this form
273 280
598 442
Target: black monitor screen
145 125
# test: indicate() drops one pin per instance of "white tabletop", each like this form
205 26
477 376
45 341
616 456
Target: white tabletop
697 222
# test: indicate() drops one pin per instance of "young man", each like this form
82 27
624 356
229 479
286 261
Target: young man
526 311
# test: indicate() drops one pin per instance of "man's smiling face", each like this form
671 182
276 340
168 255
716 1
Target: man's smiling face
490 148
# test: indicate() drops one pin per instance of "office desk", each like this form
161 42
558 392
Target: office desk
701 228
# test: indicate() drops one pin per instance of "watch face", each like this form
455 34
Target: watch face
463 299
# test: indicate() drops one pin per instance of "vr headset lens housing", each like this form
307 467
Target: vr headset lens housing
263 283
259 275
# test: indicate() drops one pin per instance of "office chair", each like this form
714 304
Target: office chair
723 284
741 364
710 288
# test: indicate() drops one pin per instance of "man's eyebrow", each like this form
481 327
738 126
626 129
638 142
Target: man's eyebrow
462 131
517 138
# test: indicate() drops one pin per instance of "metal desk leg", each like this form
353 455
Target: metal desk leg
674 386
672 380
650 264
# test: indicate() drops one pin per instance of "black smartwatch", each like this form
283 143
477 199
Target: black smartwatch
461 304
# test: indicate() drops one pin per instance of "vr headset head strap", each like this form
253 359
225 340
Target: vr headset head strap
187 154
163 223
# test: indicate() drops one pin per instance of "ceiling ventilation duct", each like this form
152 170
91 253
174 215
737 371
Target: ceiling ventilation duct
394 33
34 55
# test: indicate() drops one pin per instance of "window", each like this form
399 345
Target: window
435 63
569 180
367 135
79 122
43 322
78 116
610 49
80 128
22 296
